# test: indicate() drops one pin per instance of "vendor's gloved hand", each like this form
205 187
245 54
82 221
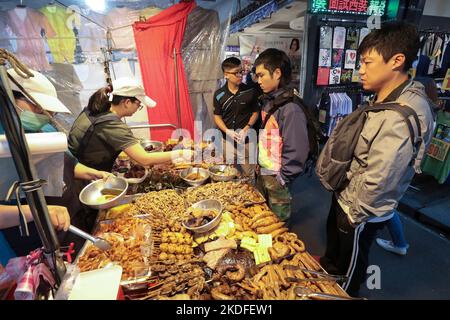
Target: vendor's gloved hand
86 173
60 217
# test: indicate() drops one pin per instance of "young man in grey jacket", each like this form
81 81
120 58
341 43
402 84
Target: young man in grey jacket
383 161
283 141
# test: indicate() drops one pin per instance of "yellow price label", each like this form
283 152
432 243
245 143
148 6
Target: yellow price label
261 255
265 240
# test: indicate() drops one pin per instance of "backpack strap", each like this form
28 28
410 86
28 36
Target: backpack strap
280 101
90 131
406 112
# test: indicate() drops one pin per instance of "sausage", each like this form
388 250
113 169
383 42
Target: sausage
262 215
277 232
264 222
270 228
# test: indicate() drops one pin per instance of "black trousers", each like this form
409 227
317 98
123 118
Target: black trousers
347 251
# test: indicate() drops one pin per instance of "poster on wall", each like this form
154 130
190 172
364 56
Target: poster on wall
253 45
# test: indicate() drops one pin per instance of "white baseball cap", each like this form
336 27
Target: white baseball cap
41 89
130 87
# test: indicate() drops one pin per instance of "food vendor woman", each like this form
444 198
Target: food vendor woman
99 135
34 120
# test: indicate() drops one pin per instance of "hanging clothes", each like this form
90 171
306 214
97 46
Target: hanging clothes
444 49
62 44
120 21
27 24
92 78
5 34
92 36
67 85
156 40
435 54
202 59
336 106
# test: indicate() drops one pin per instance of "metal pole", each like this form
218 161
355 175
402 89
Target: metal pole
177 89
27 173
152 126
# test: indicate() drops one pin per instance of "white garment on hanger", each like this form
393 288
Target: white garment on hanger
121 21
21 13
435 53
92 77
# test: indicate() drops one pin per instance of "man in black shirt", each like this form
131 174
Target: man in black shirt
236 111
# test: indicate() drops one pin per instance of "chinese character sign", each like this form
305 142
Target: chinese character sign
319 5
365 7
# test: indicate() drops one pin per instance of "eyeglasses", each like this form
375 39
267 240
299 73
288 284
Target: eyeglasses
141 106
237 73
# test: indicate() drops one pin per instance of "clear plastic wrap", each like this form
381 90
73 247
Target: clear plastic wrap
78 77
203 52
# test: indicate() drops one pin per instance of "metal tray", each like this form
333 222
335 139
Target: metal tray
128 282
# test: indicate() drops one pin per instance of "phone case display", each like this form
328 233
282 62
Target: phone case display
352 39
346 76
350 59
326 36
338 59
323 76
339 38
324 58
335 75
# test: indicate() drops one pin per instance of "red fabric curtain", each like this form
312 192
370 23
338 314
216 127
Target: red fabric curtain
156 39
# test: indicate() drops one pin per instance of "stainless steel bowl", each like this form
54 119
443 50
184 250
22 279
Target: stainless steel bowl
195 183
207 204
215 170
91 194
145 143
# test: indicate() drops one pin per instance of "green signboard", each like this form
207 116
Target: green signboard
360 7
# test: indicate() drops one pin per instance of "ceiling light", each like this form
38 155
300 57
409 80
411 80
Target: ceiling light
96 5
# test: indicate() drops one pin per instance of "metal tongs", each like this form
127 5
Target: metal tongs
323 276
308 293
100 243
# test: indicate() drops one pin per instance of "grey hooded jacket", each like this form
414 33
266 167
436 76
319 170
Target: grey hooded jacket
380 171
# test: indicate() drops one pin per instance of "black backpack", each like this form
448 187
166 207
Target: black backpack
315 134
337 155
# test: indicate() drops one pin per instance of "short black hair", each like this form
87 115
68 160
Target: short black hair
230 63
272 59
391 39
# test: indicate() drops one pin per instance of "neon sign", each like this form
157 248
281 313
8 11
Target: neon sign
362 7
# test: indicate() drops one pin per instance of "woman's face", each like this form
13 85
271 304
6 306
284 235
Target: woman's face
25 105
294 45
